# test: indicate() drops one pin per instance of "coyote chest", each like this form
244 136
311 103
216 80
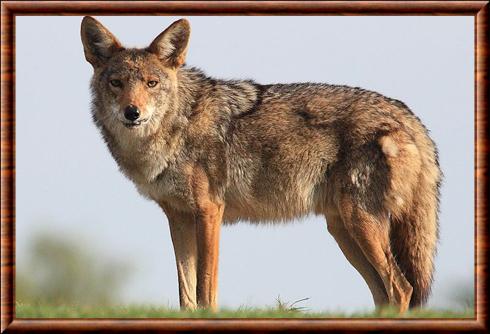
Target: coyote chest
168 187
154 173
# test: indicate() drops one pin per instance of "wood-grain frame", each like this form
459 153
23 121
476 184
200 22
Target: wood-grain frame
11 9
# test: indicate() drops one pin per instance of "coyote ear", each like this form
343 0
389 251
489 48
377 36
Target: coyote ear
171 45
98 42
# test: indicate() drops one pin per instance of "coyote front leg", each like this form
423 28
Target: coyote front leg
208 222
208 213
183 233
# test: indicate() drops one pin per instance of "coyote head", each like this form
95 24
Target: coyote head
133 88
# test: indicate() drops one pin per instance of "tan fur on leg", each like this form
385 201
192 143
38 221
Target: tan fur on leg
183 233
372 236
209 217
356 257
208 229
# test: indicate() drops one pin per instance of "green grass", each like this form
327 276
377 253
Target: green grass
279 311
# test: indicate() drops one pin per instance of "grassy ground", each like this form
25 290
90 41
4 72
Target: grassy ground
279 311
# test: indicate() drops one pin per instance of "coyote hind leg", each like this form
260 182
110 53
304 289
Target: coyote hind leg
372 235
356 257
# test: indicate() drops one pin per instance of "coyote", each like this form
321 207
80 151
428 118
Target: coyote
212 152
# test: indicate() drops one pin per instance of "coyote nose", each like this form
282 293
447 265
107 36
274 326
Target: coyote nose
131 113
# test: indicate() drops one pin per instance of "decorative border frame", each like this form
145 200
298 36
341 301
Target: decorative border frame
11 9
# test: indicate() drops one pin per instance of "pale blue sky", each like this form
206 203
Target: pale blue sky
68 184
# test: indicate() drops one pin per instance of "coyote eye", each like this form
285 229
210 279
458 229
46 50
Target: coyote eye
115 83
152 83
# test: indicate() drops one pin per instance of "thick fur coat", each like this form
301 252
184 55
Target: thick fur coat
210 151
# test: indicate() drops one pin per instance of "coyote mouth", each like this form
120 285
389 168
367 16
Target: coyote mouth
135 124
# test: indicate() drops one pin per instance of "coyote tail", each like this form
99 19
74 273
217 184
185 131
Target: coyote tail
414 231
414 207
